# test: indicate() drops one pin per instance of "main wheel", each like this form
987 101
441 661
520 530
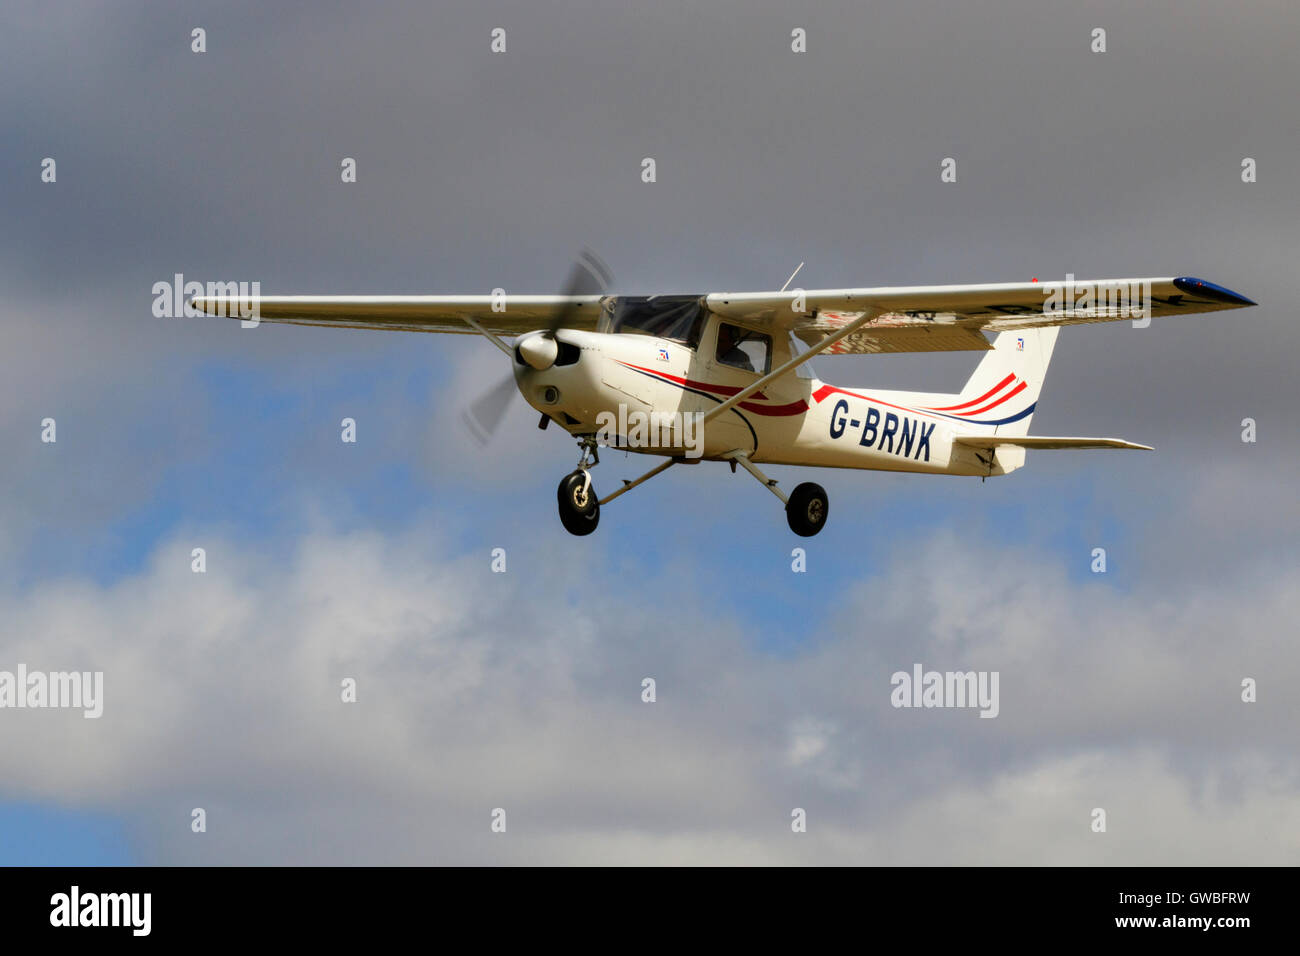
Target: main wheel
807 509
579 510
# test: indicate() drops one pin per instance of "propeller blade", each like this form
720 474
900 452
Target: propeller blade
485 413
589 276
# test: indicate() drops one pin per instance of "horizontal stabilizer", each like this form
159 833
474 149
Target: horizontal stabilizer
1036 441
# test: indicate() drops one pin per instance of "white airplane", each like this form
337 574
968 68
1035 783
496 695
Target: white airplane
722 375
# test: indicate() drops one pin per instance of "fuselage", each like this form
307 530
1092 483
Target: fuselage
628 377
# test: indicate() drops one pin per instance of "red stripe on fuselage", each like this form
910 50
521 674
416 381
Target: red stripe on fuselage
727 390
827 390
797 407
1011 394
983 398
794 408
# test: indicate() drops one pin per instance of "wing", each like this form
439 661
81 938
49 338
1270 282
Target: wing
509 315
1037 441
955 317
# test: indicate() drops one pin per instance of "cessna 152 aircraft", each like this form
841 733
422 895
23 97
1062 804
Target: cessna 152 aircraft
731 365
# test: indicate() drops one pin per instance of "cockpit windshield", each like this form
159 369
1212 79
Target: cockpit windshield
676 317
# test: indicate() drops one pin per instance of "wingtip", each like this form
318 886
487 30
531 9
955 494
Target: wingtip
1210 290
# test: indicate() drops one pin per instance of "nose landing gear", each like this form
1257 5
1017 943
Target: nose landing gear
579 506
579 509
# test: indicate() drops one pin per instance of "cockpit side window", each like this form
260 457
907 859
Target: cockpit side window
743 348
797 347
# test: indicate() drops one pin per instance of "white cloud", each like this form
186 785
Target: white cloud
478 690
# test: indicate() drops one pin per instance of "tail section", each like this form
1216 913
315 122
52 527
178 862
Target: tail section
1001 397
1003 392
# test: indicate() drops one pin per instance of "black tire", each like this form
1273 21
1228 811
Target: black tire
577 515
807 509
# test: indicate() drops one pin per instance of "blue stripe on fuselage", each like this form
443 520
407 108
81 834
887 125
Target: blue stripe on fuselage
1001 421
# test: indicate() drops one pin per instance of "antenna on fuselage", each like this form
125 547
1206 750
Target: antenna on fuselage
791 279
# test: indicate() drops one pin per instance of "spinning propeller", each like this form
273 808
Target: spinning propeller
589 276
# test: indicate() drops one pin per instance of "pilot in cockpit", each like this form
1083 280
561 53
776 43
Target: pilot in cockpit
729 351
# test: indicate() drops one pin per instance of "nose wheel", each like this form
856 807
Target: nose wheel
579 507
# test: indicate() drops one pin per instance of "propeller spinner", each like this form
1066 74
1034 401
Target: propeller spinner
589 276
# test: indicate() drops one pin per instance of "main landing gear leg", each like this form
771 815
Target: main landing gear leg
806 508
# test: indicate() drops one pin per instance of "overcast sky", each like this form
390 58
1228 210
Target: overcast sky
522 690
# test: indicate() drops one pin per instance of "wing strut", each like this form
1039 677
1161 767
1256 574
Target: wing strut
741 458
629 485
495 339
